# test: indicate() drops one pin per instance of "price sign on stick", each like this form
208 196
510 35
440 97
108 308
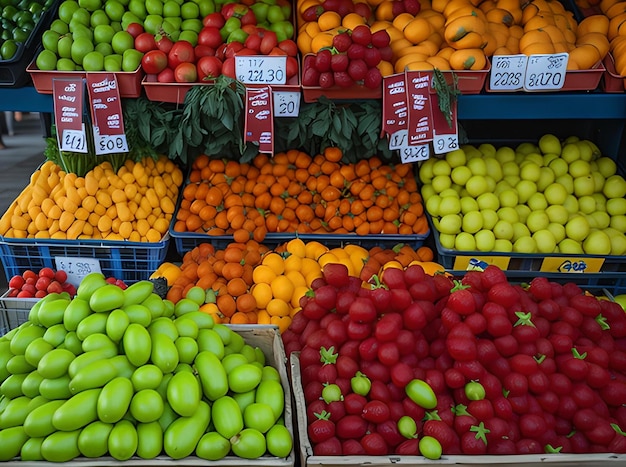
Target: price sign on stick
260 69
76 267
286 103
68 114
546 72
106 112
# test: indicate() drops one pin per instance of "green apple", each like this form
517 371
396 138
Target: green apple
468 204
81 47
491 183
570 247
567 181
535 157
93 61
503 230
618 244
46 60
66 64
449 192
449 205
99 17
487 149
432 205
152 23
527 147
189 36
571 204
537 202
476 185
546 177
501 186
606 166
616 206
584 185
587 204
549 143
520 230
66 10
485 240
558 231
600 201
490 218
525 189
579 168
131 60
104 48
171 8
557 213
456 158
472 222
614 187
537 220
570 152
505 154
525 245
508 198
441 182
450 224
512 180
577 228
598 181
477 166
114 10
618 223
503 246
122 41
601 219
508 214
103 33
523 211
586 150
530 171
447 241
597 243
545 241
494 168
549 157
555 193
471 151
510 168
559 166
113 62
488 201
460 175
441 167
428 191
465 242
154 7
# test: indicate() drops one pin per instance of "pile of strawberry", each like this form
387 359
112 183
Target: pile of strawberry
353 59
473 366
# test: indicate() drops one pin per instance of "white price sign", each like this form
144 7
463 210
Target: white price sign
286 103
74 141
507 72
399 141
445 143
110 144
261 69
545 72
76 267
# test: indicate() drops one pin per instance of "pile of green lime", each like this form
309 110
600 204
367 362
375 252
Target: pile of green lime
17 21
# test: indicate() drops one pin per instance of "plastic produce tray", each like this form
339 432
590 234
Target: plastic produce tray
128 261
13 71
14 311
611 81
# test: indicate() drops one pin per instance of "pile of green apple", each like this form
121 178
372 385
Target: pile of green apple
94 35
548 196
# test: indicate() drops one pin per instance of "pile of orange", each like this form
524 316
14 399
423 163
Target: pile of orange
295 192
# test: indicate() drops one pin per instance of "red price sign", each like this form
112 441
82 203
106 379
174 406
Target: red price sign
106 112
68 114
259 122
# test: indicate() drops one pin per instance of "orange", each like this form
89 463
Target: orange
352 20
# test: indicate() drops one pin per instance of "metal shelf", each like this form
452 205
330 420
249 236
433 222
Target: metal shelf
492 106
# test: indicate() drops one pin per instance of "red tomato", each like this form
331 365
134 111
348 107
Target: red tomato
46 272
288 46
134 29
16 282
211 36
214 19
145 42
185 72
181 52
54 287
60 276
154 62
166 76
203 51
42 283
164 44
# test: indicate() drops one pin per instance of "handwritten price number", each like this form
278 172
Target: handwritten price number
445 143
414 153
545 72
76 268
74 141
261 70
286 104
109 144
508 72
398 140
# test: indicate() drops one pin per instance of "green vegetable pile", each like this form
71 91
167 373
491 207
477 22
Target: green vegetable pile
124 373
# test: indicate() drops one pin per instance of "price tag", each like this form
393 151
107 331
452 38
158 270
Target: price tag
286 103
507 72
76 267
420 121
106 112
545 72
479 263
68 114
410 154
259 118
74 140
445 135
395 107
571 265
261 69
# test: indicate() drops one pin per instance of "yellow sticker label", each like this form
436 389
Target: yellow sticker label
571 265
479 263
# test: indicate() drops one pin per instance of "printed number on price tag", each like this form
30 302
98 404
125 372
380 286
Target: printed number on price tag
261 69
76 267
286 104
74 141
545 72
109 144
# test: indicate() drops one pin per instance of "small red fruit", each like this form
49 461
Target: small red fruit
373 79
339 62
343 79
342 41
327 79
60 276
46 272
357 69
362 35
16 282
381 39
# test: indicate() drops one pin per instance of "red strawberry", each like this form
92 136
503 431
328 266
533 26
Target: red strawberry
373 79
357 69
461 299
321 429
342 41
362 35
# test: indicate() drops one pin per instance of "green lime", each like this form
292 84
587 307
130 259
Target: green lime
113 62
104 48
99 17
64 47
60 26
50 40
8 49
90 5
46 60
122 41
93 61
103 33
81 47
67 9
66 64
189 10
114 10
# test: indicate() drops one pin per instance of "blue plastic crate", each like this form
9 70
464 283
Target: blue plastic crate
128 261
187 241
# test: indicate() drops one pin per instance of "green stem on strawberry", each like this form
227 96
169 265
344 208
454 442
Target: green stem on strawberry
323 415
617 429
458 285
460 409
524 319
432 415
552 450
376 283
601 320
481 432
328 356
578 355
539 359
